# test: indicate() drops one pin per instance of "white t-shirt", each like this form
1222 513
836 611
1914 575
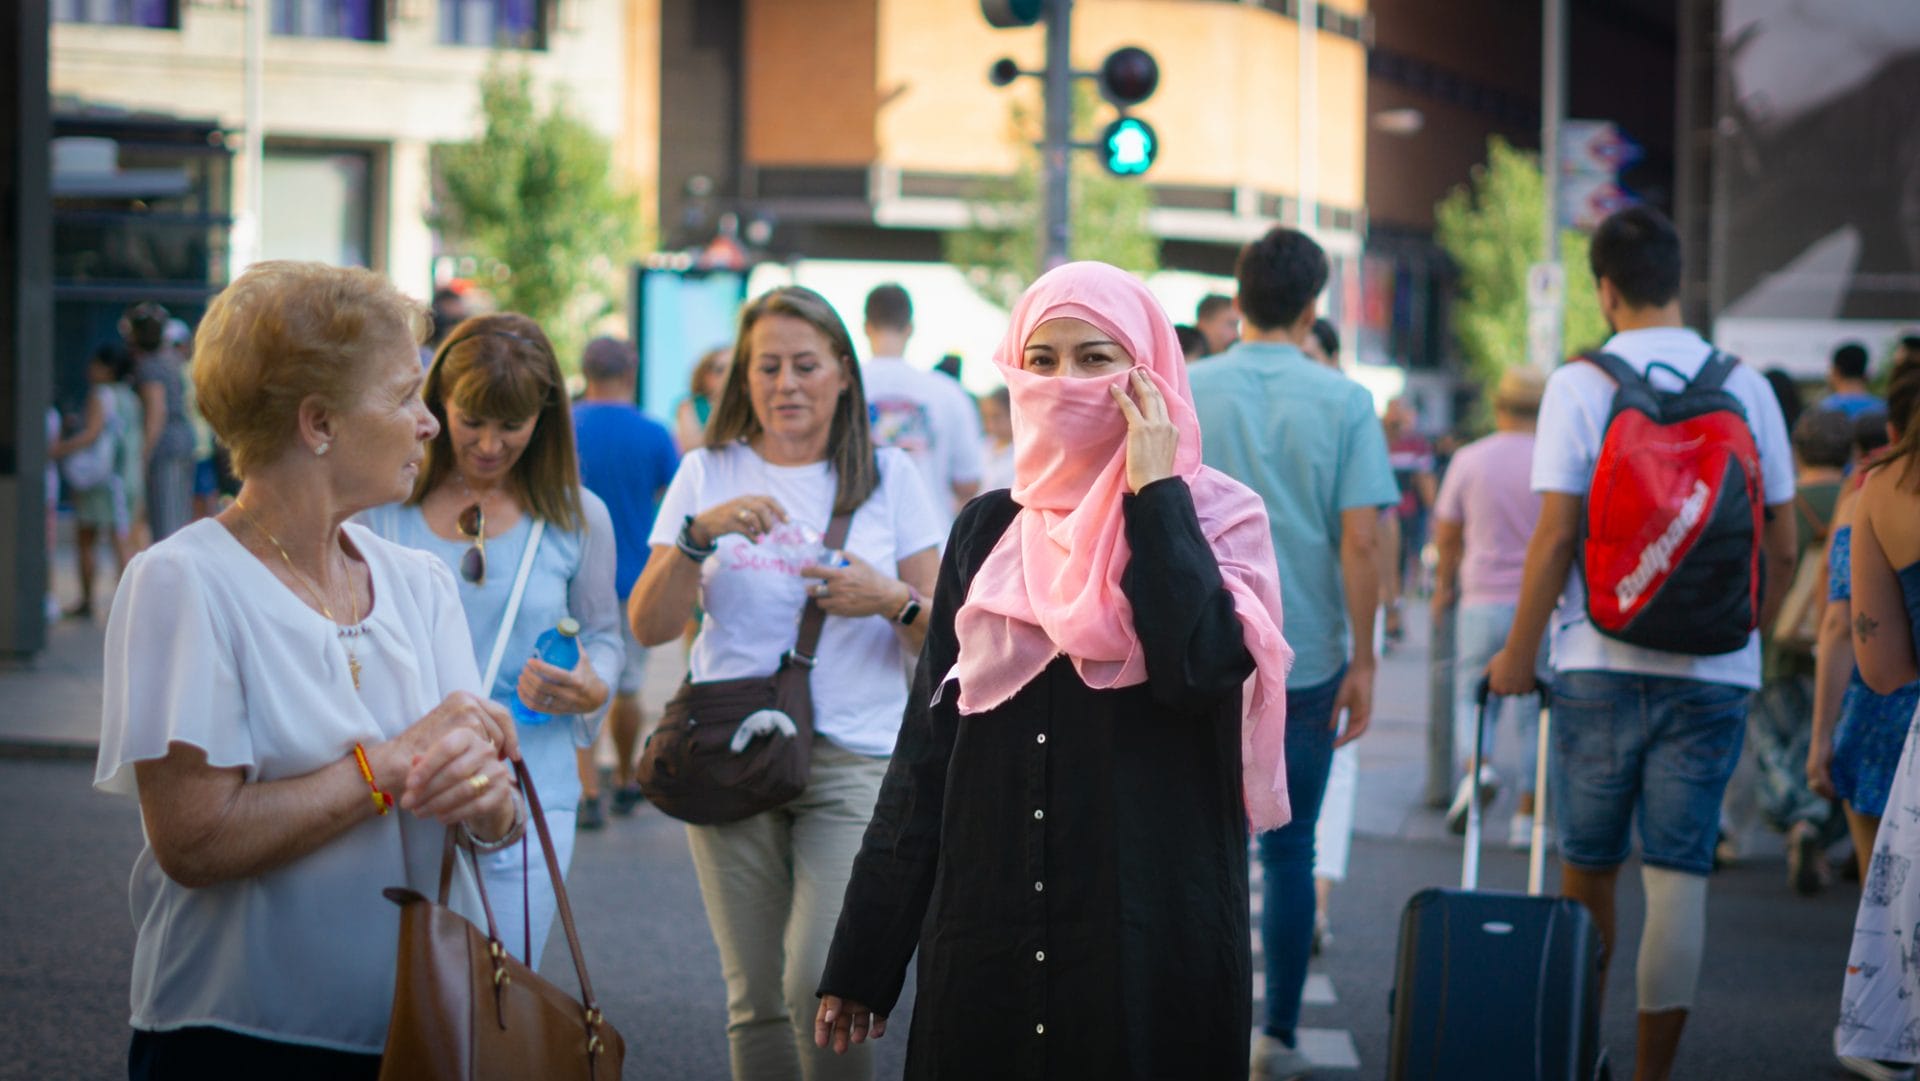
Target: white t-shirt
930 417
1573 418
753 593
206 647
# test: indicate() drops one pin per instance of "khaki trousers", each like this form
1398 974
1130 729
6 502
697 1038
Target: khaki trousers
773 885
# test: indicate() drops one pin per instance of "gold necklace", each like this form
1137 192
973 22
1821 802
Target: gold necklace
346 634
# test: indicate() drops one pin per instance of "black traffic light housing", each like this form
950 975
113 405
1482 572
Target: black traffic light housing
1012 14
1129 76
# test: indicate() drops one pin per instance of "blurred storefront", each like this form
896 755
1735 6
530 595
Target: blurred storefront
140 212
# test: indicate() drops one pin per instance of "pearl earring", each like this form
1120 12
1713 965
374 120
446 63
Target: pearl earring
321 449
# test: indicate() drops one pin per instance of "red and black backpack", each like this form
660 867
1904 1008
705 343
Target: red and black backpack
1670 546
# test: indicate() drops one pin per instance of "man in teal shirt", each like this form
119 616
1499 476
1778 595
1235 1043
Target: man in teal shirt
1305 437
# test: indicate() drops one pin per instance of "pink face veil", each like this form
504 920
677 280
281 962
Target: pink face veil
1051 586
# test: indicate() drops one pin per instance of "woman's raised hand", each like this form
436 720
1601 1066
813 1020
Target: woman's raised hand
842 1022
1151 436
750 516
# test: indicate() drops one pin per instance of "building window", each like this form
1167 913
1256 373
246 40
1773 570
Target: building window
494 24
320 205
153 14
358 20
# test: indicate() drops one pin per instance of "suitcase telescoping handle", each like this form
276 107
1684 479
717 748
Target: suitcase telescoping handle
1537 856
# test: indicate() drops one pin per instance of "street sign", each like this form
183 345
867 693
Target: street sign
1587 199
1592 153
1543 338
1546 285
1596 146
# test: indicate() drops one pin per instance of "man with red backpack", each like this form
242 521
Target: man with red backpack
1665 538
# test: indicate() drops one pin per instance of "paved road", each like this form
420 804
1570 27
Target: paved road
1770 987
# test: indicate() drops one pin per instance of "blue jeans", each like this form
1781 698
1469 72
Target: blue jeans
1479 632
1657 747
1286 855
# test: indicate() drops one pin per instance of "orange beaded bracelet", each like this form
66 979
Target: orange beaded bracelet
381 801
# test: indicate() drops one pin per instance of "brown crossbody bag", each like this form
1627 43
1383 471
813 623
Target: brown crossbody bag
690 769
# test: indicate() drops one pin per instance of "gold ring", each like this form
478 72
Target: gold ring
479 781
743 514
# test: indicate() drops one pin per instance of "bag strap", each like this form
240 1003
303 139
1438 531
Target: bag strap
539 818
1618 370
513 605
1713 372
1813 521
813 618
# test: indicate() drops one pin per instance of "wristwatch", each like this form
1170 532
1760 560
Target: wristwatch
910 611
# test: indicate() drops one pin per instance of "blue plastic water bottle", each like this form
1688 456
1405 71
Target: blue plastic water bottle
559 647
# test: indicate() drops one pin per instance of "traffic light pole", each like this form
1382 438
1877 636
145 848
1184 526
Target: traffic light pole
1553 106
1056 154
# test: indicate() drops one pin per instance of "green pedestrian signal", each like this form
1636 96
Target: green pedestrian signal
1129 146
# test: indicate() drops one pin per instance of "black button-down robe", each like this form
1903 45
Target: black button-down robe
1071 865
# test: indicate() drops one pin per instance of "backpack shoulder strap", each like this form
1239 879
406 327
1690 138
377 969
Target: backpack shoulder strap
1714 372
1618 370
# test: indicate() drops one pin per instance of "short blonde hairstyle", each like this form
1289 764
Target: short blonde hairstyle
286 331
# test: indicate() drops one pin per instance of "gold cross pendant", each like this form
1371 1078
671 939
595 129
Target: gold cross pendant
353 669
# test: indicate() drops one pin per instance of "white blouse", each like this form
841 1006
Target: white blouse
206 647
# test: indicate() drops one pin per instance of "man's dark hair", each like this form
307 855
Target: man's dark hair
1638 250
1823 438
1328 336
1192 342
889 307
948 365
1870 431
1210 304
1279 275
1850 361
608 360
1787 393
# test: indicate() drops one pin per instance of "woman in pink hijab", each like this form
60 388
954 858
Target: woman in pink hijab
1095 725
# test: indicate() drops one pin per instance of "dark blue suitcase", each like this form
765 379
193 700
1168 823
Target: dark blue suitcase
1496 986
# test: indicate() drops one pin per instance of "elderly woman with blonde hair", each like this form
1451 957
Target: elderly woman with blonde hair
293 700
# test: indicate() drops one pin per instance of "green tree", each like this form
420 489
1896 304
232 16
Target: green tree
1000 251
535 199
1491 226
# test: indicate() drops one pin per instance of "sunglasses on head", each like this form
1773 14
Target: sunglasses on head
472 525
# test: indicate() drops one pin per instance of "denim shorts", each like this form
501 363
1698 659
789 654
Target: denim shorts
1657 746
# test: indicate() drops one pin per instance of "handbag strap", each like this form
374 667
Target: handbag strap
538 818
559 889
513 605
813 617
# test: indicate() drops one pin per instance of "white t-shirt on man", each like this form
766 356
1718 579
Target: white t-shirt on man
752 592
1573 419
932 418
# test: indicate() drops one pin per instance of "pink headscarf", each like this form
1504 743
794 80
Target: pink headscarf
1052 584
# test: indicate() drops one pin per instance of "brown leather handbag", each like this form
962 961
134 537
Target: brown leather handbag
689 768
464 1009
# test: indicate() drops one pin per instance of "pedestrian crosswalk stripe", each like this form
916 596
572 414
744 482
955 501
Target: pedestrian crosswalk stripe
1329 1048
1318 992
